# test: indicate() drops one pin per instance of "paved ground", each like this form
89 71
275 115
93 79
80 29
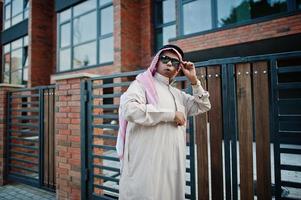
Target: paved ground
17 191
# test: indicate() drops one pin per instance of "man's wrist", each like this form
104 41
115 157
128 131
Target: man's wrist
194 81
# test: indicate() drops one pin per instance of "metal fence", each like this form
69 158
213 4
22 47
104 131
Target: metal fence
30 136
247 146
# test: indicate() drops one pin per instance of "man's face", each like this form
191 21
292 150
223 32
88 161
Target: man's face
167 64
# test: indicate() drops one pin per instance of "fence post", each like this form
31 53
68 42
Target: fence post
68 135
4 89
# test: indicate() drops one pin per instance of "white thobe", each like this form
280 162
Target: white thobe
155 147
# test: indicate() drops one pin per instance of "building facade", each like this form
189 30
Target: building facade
43 40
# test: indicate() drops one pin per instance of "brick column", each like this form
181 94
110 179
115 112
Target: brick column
67 135
4 89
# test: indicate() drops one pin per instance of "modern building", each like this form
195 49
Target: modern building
44 39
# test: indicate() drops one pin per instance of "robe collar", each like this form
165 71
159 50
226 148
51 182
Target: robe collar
163 79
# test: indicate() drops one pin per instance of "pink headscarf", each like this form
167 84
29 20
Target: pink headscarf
147 80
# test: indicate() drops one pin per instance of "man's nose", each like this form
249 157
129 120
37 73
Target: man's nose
169 63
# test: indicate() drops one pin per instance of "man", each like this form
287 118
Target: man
151 140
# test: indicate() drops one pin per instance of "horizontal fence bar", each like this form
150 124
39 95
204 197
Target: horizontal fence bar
34 88
23 168
107 147
25 103
23 96
36 140
25 110
104 136
106 188
290 151
24 161
23 132
106 157
291 184
107 168
106 106
24 154
287 86
108 126
24 125
106 178
291 168
24 146
111 85
106 96
289 117
289 69
106 116
32 117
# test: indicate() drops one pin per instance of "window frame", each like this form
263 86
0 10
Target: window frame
23 61
291 9
11 16
96 39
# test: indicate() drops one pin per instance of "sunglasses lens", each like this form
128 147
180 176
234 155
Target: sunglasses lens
165 59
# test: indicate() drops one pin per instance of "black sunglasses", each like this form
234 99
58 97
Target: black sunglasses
174 62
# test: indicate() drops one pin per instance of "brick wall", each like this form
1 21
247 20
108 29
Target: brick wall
67 119
42 40
243 34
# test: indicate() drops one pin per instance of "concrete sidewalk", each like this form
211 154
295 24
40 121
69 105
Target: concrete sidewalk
18 191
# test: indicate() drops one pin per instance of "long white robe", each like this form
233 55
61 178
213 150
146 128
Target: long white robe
155 147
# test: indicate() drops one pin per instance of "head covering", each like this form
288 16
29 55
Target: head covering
147 80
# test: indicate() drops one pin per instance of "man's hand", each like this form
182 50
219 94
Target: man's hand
188 69
179 118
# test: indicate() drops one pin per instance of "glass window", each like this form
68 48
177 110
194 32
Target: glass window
65 60
65 35
6 48
26 41
84 28
17 7
84 7
16 19
80 35
84 55
16 60
7 62
104 2
7 11
16 44
106 22
65 15
6 78
164 34
16 77
233 11
166 11
106 50
197 16
298 4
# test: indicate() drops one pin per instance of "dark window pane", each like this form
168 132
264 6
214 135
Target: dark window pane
16 77
84 55
65 15
7 11
230 12
106 50
166 11
299 4
106 24
65 35
84 7
103 2
65 60
84 28
197 16
16 59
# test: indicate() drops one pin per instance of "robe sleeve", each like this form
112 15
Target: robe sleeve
134 108
198 102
